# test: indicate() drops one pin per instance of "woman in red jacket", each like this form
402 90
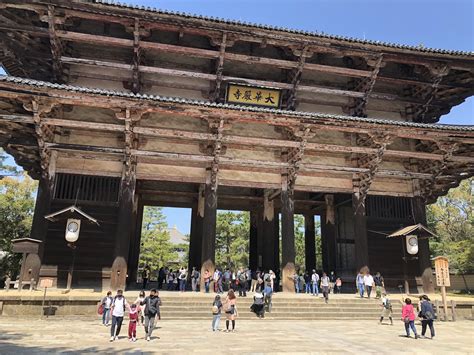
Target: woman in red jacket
408 317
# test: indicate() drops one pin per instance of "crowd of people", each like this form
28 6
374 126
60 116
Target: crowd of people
145 310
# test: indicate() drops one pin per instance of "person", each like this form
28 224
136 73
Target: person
386 309
161 277
119 305
332 281
427 316
170 280
217 278
258 306
216 312
242 276
132 325
230 310
183 275
255 276
248 274
314 282
408 317
379 285
368 282
227 279
260 284
360 283
152 305
106 304
268 293
296 281
307 282
145 276
140 309
325 286
195 279
207 280
338 285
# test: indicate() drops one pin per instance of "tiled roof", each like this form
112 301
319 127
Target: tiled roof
180 100
282 29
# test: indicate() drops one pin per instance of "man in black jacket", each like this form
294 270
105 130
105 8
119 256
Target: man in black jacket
152 305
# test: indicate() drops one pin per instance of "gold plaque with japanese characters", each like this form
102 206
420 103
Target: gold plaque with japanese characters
253 96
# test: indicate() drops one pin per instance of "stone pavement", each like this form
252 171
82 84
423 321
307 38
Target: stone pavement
85 335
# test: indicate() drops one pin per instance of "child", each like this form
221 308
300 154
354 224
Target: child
107 303
338 285
140 298
216 312
132 326
387 309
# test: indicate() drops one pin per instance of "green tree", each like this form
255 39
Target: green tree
17 203
7 169
156 249
232 238
452 220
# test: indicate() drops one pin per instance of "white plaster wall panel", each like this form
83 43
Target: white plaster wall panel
392 185
258 154
331 160
158 170
253 130
163 145
94 139
88 114
173 122
91 166
323 182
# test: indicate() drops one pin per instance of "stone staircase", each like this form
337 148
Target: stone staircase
301 307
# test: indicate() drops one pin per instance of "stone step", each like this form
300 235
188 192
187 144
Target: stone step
325 308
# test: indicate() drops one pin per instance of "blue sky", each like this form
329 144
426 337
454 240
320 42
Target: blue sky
447 24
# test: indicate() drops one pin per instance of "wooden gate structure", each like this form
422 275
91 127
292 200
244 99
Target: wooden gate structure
119 107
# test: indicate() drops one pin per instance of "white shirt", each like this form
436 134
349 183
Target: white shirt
325 281
315 278
216 275
368 280
119 305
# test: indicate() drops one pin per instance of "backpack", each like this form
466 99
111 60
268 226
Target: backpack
215 309
243 277
429 313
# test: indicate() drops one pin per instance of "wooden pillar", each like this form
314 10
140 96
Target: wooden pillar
276 244
209 232
135 243
309 243
253 242
195 238
424 262
287 240
360 232
127 208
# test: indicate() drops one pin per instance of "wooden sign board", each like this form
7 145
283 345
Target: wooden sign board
253 96
46 282
442 271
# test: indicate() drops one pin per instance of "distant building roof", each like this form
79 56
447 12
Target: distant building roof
176 237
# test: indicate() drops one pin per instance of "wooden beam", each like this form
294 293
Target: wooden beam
56 47
219 69
291 102
137 52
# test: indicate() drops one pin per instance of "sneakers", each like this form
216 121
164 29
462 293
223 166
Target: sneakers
134 339
112 339
148 338
130 339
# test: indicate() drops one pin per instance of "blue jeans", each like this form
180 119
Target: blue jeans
315 289
297 287
411 325
182 285
215 321
308 287
206 286
116 326
106 316
361 289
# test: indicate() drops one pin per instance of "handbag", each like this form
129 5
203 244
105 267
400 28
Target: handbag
406 320
100 310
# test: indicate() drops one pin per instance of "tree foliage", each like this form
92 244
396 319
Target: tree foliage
452 219
6 169
232 239
156 249
17 201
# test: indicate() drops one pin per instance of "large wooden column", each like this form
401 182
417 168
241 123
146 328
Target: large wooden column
424 262
39 228
309 243
287 240
270 239
360 232
127 208
276 244
209 232
135 243
254 250
328 235
195 238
